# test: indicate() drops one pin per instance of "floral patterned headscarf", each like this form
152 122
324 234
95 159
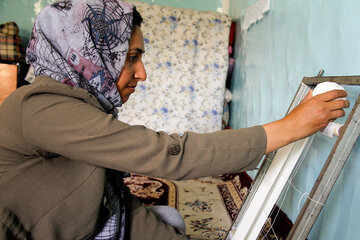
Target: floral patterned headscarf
84 44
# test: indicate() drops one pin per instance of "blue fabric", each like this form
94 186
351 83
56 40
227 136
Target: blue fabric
170 216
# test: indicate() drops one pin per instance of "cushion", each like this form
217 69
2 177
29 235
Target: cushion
11 47
186 61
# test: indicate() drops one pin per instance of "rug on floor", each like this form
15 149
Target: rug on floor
208 205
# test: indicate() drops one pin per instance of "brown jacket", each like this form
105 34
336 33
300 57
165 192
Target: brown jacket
56 141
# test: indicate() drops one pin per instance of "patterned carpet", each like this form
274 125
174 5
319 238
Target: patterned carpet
208 205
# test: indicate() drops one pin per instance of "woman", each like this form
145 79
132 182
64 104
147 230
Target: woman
63 153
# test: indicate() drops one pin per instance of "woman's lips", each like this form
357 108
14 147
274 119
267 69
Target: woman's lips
131 88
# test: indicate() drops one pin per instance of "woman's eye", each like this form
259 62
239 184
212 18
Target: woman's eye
133 58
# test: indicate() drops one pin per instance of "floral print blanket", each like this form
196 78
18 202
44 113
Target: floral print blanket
186 61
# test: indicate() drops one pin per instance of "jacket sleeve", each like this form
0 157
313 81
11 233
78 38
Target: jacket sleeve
79 131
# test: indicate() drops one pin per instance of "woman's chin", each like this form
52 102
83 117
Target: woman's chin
125 99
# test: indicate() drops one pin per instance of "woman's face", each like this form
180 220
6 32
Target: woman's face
133 70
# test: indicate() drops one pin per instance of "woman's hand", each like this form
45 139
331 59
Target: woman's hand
311 115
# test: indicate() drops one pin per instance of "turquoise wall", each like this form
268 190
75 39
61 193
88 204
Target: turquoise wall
293 40
210 5
23 12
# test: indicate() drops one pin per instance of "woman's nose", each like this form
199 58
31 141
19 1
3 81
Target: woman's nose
140 74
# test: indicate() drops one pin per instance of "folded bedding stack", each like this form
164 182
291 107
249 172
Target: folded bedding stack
186 61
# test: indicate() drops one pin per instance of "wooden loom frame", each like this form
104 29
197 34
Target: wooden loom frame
278 166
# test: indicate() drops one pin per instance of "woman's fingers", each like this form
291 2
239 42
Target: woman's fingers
308 96
338 104
328 107
331 95
336 114
323 112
